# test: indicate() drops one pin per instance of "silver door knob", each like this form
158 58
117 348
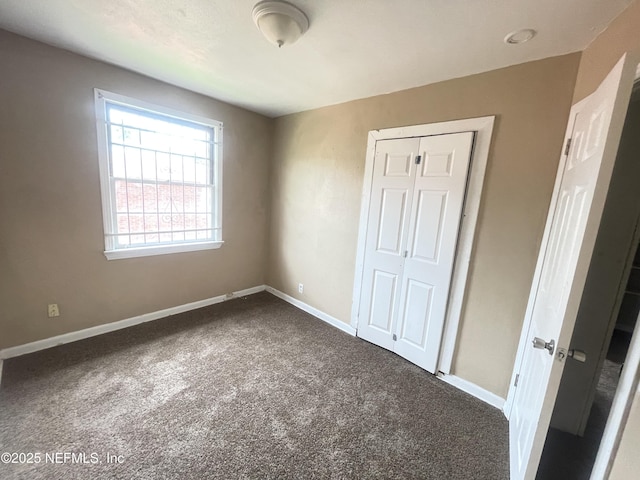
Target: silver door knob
540 343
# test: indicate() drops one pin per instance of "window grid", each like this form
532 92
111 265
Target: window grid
176 220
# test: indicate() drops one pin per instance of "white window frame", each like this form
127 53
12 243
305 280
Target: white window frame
102 98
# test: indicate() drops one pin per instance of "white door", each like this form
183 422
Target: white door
414 219
574 225
438 198
391 196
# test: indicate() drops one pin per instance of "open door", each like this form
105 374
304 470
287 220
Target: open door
563 264
609 299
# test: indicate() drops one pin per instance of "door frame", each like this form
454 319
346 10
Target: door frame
483 128
628 385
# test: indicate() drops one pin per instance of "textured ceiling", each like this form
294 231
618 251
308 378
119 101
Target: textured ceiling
353 49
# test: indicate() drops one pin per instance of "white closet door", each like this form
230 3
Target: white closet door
391 198
438 199
414 219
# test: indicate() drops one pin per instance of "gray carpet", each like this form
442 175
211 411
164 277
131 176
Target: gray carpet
250 388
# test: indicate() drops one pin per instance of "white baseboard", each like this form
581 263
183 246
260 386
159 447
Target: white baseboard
334 322
474 390
129 322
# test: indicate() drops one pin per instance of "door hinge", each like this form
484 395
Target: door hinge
568 147
406 252
395 337
418 159
515 384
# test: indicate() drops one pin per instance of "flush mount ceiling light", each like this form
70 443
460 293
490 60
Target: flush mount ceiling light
280 22
520 36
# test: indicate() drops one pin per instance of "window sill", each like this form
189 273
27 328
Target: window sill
160 250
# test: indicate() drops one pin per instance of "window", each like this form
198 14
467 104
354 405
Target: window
160 173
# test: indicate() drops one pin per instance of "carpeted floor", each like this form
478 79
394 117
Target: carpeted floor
250 388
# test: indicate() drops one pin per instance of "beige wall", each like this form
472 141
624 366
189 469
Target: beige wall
317 173
622 35
51 239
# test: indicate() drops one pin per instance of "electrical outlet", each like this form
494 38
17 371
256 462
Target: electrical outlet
300 288
53 310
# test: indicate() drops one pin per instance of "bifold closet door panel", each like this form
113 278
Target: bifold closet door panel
387 230
436 211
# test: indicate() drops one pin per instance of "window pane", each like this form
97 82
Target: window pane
148 165
117 162
201 199
164 199
131 136
150 197
115 115
151 140
121 196
152 238
123 240
133 162
190 221
116 134
137 239
203 220
165 222
136 223
151 223
209 199
136 197
189 169
202 171
164 166
166 238
176 168
123 223
160 177
178 221
176 197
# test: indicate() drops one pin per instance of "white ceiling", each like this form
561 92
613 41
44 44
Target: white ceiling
353 49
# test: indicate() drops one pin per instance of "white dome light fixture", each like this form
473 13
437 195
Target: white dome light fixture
520 36
280 22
